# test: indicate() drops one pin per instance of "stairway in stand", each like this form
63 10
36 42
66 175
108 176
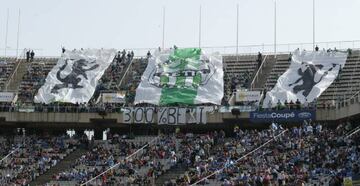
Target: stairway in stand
61 166
17 78
171 174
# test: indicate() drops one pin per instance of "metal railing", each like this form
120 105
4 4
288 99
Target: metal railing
242 50
126 72
256 77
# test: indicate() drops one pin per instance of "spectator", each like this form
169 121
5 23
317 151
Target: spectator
28 56
286 103
298 104
291 104
279 105
259 59
290 57
316 48
32 54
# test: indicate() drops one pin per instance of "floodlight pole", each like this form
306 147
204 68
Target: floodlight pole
163 31
17 40
6 32
313 24
237 29
200 27
275 28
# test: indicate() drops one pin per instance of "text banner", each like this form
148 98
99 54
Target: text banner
282 116
166 115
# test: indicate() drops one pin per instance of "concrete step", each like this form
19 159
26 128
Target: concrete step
173 173
264 72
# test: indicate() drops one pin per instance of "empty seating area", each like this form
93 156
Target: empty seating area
238 72
347 83
34 78
281 65
7 66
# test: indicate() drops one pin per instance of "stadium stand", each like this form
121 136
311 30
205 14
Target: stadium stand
140 168
7 66
34 78
281 65
33 156
113 75
132 78
346 84
238 72
311 153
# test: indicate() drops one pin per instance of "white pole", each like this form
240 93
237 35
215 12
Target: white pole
18 33
275 28
313 24
163 31
237 29
6 33
200 28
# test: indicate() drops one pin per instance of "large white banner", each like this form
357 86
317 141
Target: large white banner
75 76
186 76
310 74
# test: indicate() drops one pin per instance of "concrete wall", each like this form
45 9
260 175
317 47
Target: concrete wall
346 110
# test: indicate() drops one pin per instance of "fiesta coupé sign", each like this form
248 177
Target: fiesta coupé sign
282 116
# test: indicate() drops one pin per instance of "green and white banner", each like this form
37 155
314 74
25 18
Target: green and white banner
182 76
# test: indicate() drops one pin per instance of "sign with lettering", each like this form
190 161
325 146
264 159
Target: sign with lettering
282 116
166 115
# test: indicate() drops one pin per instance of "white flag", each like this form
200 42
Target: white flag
185 76
75 76
310 74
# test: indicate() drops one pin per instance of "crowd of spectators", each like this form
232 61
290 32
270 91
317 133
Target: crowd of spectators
32 156
310 153
6 68
113 74
301 155
292 105
34 78
133 167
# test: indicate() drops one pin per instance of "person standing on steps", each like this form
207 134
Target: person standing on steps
32 54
